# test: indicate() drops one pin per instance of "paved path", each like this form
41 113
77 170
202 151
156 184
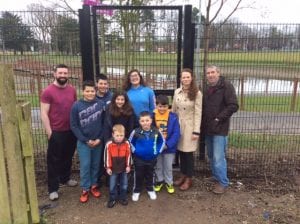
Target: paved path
266 122
246 122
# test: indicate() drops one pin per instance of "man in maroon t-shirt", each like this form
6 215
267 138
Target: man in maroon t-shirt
56 102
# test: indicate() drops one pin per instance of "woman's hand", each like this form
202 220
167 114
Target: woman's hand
195 137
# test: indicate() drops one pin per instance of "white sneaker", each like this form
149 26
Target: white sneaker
53 196
135 196
69 183
152 195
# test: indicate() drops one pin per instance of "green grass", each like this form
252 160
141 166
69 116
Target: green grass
270 104
263 142
290 60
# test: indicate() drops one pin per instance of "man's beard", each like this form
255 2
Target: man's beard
62 81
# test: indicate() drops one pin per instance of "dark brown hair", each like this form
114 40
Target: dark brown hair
115 111
127 83
193 90
162 99
60 66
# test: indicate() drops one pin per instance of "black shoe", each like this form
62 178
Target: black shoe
124 202
111 204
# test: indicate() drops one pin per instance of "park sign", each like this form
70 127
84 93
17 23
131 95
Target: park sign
98 3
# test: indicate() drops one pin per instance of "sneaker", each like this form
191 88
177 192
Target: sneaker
53 196
84 197
124 202
135 196
170 188
95 192
111 203
219 189
152 195
69 183
158 186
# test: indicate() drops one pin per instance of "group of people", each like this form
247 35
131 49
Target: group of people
114 132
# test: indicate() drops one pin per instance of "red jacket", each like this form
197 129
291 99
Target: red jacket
117 156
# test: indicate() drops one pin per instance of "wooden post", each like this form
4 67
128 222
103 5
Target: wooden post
294 96
12 146
39 84
4 202
24 119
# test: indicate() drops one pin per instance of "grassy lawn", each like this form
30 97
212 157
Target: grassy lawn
289 60
263 142
270 103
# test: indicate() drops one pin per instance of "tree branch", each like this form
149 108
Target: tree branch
218 11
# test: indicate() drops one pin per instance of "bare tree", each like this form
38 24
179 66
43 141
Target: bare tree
63 5
218 5
43 20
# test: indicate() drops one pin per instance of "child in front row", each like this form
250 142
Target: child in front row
147 143
167 122
117 161
87 117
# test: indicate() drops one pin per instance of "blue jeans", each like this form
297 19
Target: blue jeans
216 150
115 192
89 164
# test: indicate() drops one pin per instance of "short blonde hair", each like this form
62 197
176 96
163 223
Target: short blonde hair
118 128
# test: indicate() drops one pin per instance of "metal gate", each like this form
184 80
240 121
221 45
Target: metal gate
116 39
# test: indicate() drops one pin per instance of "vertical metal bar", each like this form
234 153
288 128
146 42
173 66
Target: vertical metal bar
86 43
179 46
95 43
188 38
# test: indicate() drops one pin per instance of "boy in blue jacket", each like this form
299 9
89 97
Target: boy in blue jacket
87 116
147 143
167 122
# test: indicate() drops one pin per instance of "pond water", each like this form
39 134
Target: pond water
265 86
251 85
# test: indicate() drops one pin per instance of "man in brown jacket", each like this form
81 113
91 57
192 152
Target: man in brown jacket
219 103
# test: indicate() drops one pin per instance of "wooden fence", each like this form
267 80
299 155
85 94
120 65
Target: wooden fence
18 195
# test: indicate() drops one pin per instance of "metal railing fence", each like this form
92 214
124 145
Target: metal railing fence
261 60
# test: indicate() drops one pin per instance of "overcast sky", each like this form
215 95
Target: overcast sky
264 11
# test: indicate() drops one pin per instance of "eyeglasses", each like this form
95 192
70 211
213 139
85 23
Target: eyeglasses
133 75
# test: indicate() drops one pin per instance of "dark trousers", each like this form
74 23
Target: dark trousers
61 147
186 163
143 170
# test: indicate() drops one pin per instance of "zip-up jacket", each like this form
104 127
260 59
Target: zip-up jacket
173 133
146 145
219 103
117 156
106 98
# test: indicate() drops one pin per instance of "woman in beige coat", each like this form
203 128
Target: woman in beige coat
187 104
